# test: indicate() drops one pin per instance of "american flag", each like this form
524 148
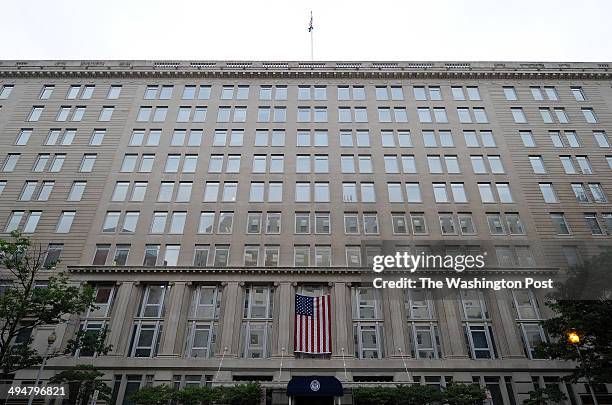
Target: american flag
312 324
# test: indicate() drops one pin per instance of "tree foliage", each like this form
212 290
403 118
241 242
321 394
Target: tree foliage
241 394
26 305
453 394
582 305
82 381
550 395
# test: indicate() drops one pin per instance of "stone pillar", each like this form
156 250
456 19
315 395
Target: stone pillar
285 321
231 320
118 327
397 324
451 329
506 330
342 316
172 320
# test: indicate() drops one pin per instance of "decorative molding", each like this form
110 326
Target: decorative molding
307 270
294 69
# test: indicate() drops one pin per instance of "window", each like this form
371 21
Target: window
130 221
87 163
458 191
548 193
596 191
466 224
23 137
413 193
440 193
578 94
528 318
589 115
77 190
580 193
256 329
367 323
57 163
518 115
177 222
503 191
151 254
515 226
221 258
560 224
496 226
202 321
486 192
46 92
593 223
400 226
353 256
584 164
600 137
5 91
105 114
32 221
447 224
35 113
65 222
537 164
510 93
370 224
171 255
226 221
148 325
322 256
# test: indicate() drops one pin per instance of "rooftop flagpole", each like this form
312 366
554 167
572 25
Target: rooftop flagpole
311 29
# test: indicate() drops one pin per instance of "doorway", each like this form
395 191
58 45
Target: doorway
314 401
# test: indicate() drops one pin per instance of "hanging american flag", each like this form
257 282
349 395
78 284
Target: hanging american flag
312 324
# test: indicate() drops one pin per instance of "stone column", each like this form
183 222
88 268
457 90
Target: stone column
121 317
171 320
231 320
506 330
450 325
342 316
285 321
397 323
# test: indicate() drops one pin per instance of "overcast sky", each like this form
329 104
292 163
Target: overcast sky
543 30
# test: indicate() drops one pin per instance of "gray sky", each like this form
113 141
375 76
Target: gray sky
543 30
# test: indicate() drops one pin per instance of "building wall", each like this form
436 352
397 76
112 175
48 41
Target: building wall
540 237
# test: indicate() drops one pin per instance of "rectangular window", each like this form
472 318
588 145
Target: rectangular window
65 222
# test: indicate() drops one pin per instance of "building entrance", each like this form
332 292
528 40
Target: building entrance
314 401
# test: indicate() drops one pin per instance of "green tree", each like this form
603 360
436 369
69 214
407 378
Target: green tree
375 395
241 394
197 396
82 381
582 305
550 395
463 394
157 395
418 395
23 306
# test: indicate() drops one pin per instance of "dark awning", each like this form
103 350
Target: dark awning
314 386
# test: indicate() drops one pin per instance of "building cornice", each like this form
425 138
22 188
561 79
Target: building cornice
311 70
364 271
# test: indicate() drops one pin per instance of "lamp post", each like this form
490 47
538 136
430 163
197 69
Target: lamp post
50 340
574 339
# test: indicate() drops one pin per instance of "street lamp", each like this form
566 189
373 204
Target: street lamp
50 340
573 339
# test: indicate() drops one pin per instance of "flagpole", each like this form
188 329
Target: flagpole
311 29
